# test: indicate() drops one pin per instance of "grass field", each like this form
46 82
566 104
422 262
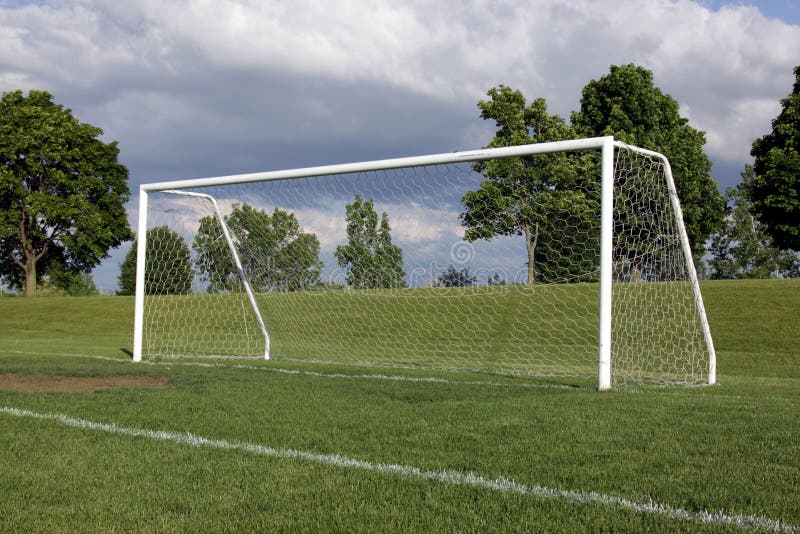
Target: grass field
546 330
285 445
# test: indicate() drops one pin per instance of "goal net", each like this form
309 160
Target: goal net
563 259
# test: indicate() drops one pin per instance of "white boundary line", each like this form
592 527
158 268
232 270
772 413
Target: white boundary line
456 478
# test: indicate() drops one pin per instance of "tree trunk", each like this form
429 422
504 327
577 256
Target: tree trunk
635 273
530 244
30 278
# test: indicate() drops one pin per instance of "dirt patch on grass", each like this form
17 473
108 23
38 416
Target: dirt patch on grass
77 384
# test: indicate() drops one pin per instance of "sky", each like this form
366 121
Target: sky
195 88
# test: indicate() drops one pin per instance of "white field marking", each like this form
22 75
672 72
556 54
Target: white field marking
456 478
656 390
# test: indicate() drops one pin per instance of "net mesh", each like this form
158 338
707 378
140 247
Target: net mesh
656 322
438 266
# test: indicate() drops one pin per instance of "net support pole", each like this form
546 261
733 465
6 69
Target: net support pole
138 314
606 244
239 268
687 254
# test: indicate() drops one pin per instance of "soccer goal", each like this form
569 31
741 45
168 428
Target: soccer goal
563 259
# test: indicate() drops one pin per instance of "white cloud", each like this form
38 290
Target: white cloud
231 60
413 223
413 226
328 226
199 88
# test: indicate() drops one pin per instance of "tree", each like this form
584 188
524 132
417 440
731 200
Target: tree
370 258
455 278
70 283
547 199
497 280
275 252
775 189
62 191
167 268
626 104
743 249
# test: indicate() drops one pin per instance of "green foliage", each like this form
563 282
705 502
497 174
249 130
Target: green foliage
743 249
452 277
127 273
370 258
167 269
626 104
275 252
547 199
497 280
329 286
62 191
68 283
775 189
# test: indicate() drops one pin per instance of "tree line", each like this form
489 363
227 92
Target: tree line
275 252
63 190
752 231
760 237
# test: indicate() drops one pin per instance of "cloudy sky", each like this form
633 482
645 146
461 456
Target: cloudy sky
193 88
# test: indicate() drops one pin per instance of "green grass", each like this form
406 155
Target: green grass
490 329
542 331
732 448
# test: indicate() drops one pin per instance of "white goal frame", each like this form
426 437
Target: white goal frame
607 146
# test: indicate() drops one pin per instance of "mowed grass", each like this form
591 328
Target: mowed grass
491 329
547 330
731 449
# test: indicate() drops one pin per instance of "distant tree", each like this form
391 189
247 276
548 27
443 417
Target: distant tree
370 258
775 189
71 283
276 253
127 273
546 199
455 278
743 249
62 192
497 280
329 286
626 104
168 265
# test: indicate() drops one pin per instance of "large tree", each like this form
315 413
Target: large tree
62 191
546 199
167 268
276 253
370 258
626 104
743 249
775 189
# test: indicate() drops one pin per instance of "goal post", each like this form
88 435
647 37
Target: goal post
606 246
273 265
